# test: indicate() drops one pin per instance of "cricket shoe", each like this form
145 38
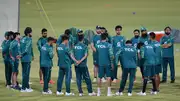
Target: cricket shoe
69 94
95 80
59 93
114 81
153 92
29 90
8 86
103 80
119 93
141 94
16 88
23 91
98 94
129 94
49 92
110 94
81 94
92 94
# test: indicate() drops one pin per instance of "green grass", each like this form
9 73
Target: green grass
86 14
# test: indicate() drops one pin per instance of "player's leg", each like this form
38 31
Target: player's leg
154 90
123 81
100 76
7 71
158 70
108 77
61 74
95 67
40 76
172 69
24 76
49 78
132 72
28 76
15 65
78 79
45 72
164 75
114 73
68 82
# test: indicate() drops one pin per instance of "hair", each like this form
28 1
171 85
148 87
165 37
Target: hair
139 45
27 30
81 37
67 32
50 39
167 28
43 30
118 26
152 35
128 42
103 36
64 37
137 30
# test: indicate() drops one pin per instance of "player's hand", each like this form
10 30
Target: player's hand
77 62
18 57
13 58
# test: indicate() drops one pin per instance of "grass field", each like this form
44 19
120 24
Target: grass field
86 14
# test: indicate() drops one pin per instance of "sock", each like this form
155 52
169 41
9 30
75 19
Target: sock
98 90
154 85
109 90
144 85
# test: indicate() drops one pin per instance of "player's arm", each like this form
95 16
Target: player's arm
111 55
92 47
39 45
117 56
72 56
85 56
51 54
27 47
12 45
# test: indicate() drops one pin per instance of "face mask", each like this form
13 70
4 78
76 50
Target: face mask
167 33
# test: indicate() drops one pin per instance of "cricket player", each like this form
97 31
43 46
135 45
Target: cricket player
143 39
136 38
26 57
80 32
41 42
104 31
79 55
128 55
147 52
158 52
46 63
105 63
64 63
167 43
118 42
70 45
14 51
96 39
5 54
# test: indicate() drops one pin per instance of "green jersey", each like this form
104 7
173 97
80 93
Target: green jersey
41 42
148 54
118 41
128 54
14 49
144 40
167 52
79 51
71 41
158 51
85 41
64 60
5 49
104 53
46 56
26 49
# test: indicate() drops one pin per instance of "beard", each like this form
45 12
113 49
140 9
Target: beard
44 36
144 35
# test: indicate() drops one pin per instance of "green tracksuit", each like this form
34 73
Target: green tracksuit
46 63
149 55
27 54
85 41
95 40
71 41
118 42
129 57
14 51
168 56
79 51
64 63
141 61
5 53
105 58
158 52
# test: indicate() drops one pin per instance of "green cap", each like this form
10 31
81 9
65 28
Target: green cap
6 34
143 29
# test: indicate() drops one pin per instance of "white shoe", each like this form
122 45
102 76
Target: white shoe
72 81
59 93
95 80
80 94
110 94
103 80
29 90
69 94
153 93
119 93
141 94
92 94
114 81
98 94
23 91
47 93
20 85
8 86
129 94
